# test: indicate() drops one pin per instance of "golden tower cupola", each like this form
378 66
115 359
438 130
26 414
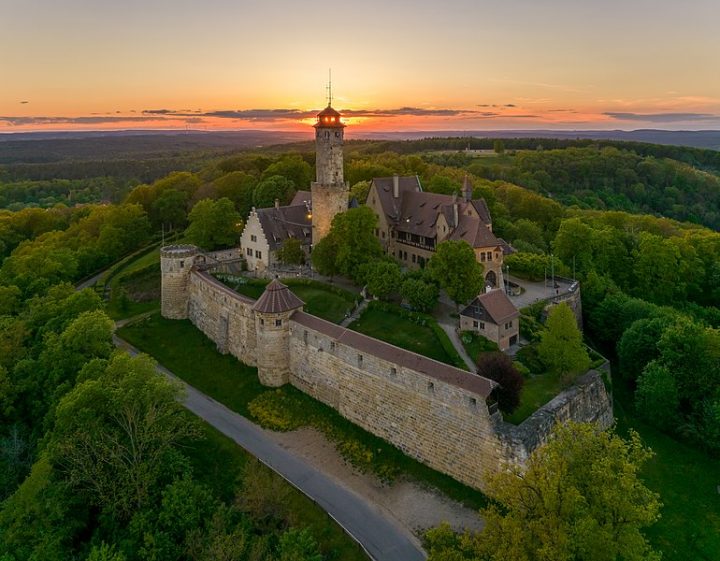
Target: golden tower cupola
329 117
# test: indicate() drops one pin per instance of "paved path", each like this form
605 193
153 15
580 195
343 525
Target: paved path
357 312
382 538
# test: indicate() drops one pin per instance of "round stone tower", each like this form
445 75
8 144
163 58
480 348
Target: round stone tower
176 261
272 326
329 190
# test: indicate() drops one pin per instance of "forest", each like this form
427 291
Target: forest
636 224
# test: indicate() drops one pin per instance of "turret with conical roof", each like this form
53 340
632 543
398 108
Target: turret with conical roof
272 324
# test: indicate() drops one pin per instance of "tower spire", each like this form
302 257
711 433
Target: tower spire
329 87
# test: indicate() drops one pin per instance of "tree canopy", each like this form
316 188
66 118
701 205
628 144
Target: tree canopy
454 267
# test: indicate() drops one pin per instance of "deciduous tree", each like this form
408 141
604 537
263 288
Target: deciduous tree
454 268
561 347
214 224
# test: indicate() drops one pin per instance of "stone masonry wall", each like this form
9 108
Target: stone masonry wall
441 425
225 316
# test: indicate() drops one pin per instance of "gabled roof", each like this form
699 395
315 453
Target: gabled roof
494 307
401 357
281 223
474 232
276 299
301 197
415 211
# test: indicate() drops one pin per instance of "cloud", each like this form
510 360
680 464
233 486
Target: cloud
24 102
89 120
661 117
509 105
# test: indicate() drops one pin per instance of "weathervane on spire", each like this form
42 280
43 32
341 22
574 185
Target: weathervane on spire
329 87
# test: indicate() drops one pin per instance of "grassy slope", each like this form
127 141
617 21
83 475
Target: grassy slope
219 463
686 480
182 348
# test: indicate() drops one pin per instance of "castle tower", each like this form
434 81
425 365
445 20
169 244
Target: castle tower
176 261
272 326
329 190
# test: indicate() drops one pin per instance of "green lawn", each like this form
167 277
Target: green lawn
687 481
393 326
219 463
536 392
476 344
322 300
186 351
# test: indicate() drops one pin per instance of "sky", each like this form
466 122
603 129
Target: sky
396 64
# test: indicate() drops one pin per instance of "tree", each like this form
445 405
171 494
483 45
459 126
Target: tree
360 191
561 347
291 167
499 367
214 224
298 545
116 434
578 498
639 345
271 188
421 295
454 268
238 187
324 256
382 278
656 397
291 252
499 146
170 208
349 245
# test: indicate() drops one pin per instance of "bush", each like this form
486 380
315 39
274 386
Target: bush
499 367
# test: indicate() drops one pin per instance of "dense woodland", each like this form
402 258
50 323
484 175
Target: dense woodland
637 224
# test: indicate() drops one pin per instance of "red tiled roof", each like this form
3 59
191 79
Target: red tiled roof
493 306
276 299
396 355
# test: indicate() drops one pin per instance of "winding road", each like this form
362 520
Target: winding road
381 538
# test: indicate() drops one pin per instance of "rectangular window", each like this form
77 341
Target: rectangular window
482 256
489 258
249 251
508 325
258 254
360 360
253 238
278 322
476 324
473 402
332 345
413 258
393 371
482 325
431 387
262 321
382 234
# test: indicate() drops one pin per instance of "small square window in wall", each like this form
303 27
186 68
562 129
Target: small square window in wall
473 402
182 263
278 322
262 321
393 371
476 324
332 345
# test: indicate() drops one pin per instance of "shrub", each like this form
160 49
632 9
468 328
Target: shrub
499 367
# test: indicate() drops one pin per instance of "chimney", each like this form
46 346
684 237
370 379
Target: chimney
396 186
277 203
455 213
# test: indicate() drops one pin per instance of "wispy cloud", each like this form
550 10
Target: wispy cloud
87 120
661 117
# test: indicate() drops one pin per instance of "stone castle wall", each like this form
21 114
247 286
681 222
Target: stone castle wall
444 424
222 314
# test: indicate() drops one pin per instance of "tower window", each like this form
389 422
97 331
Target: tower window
431 387
278 323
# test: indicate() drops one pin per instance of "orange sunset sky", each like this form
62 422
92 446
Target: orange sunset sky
397 65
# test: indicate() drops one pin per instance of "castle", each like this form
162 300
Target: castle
433 412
